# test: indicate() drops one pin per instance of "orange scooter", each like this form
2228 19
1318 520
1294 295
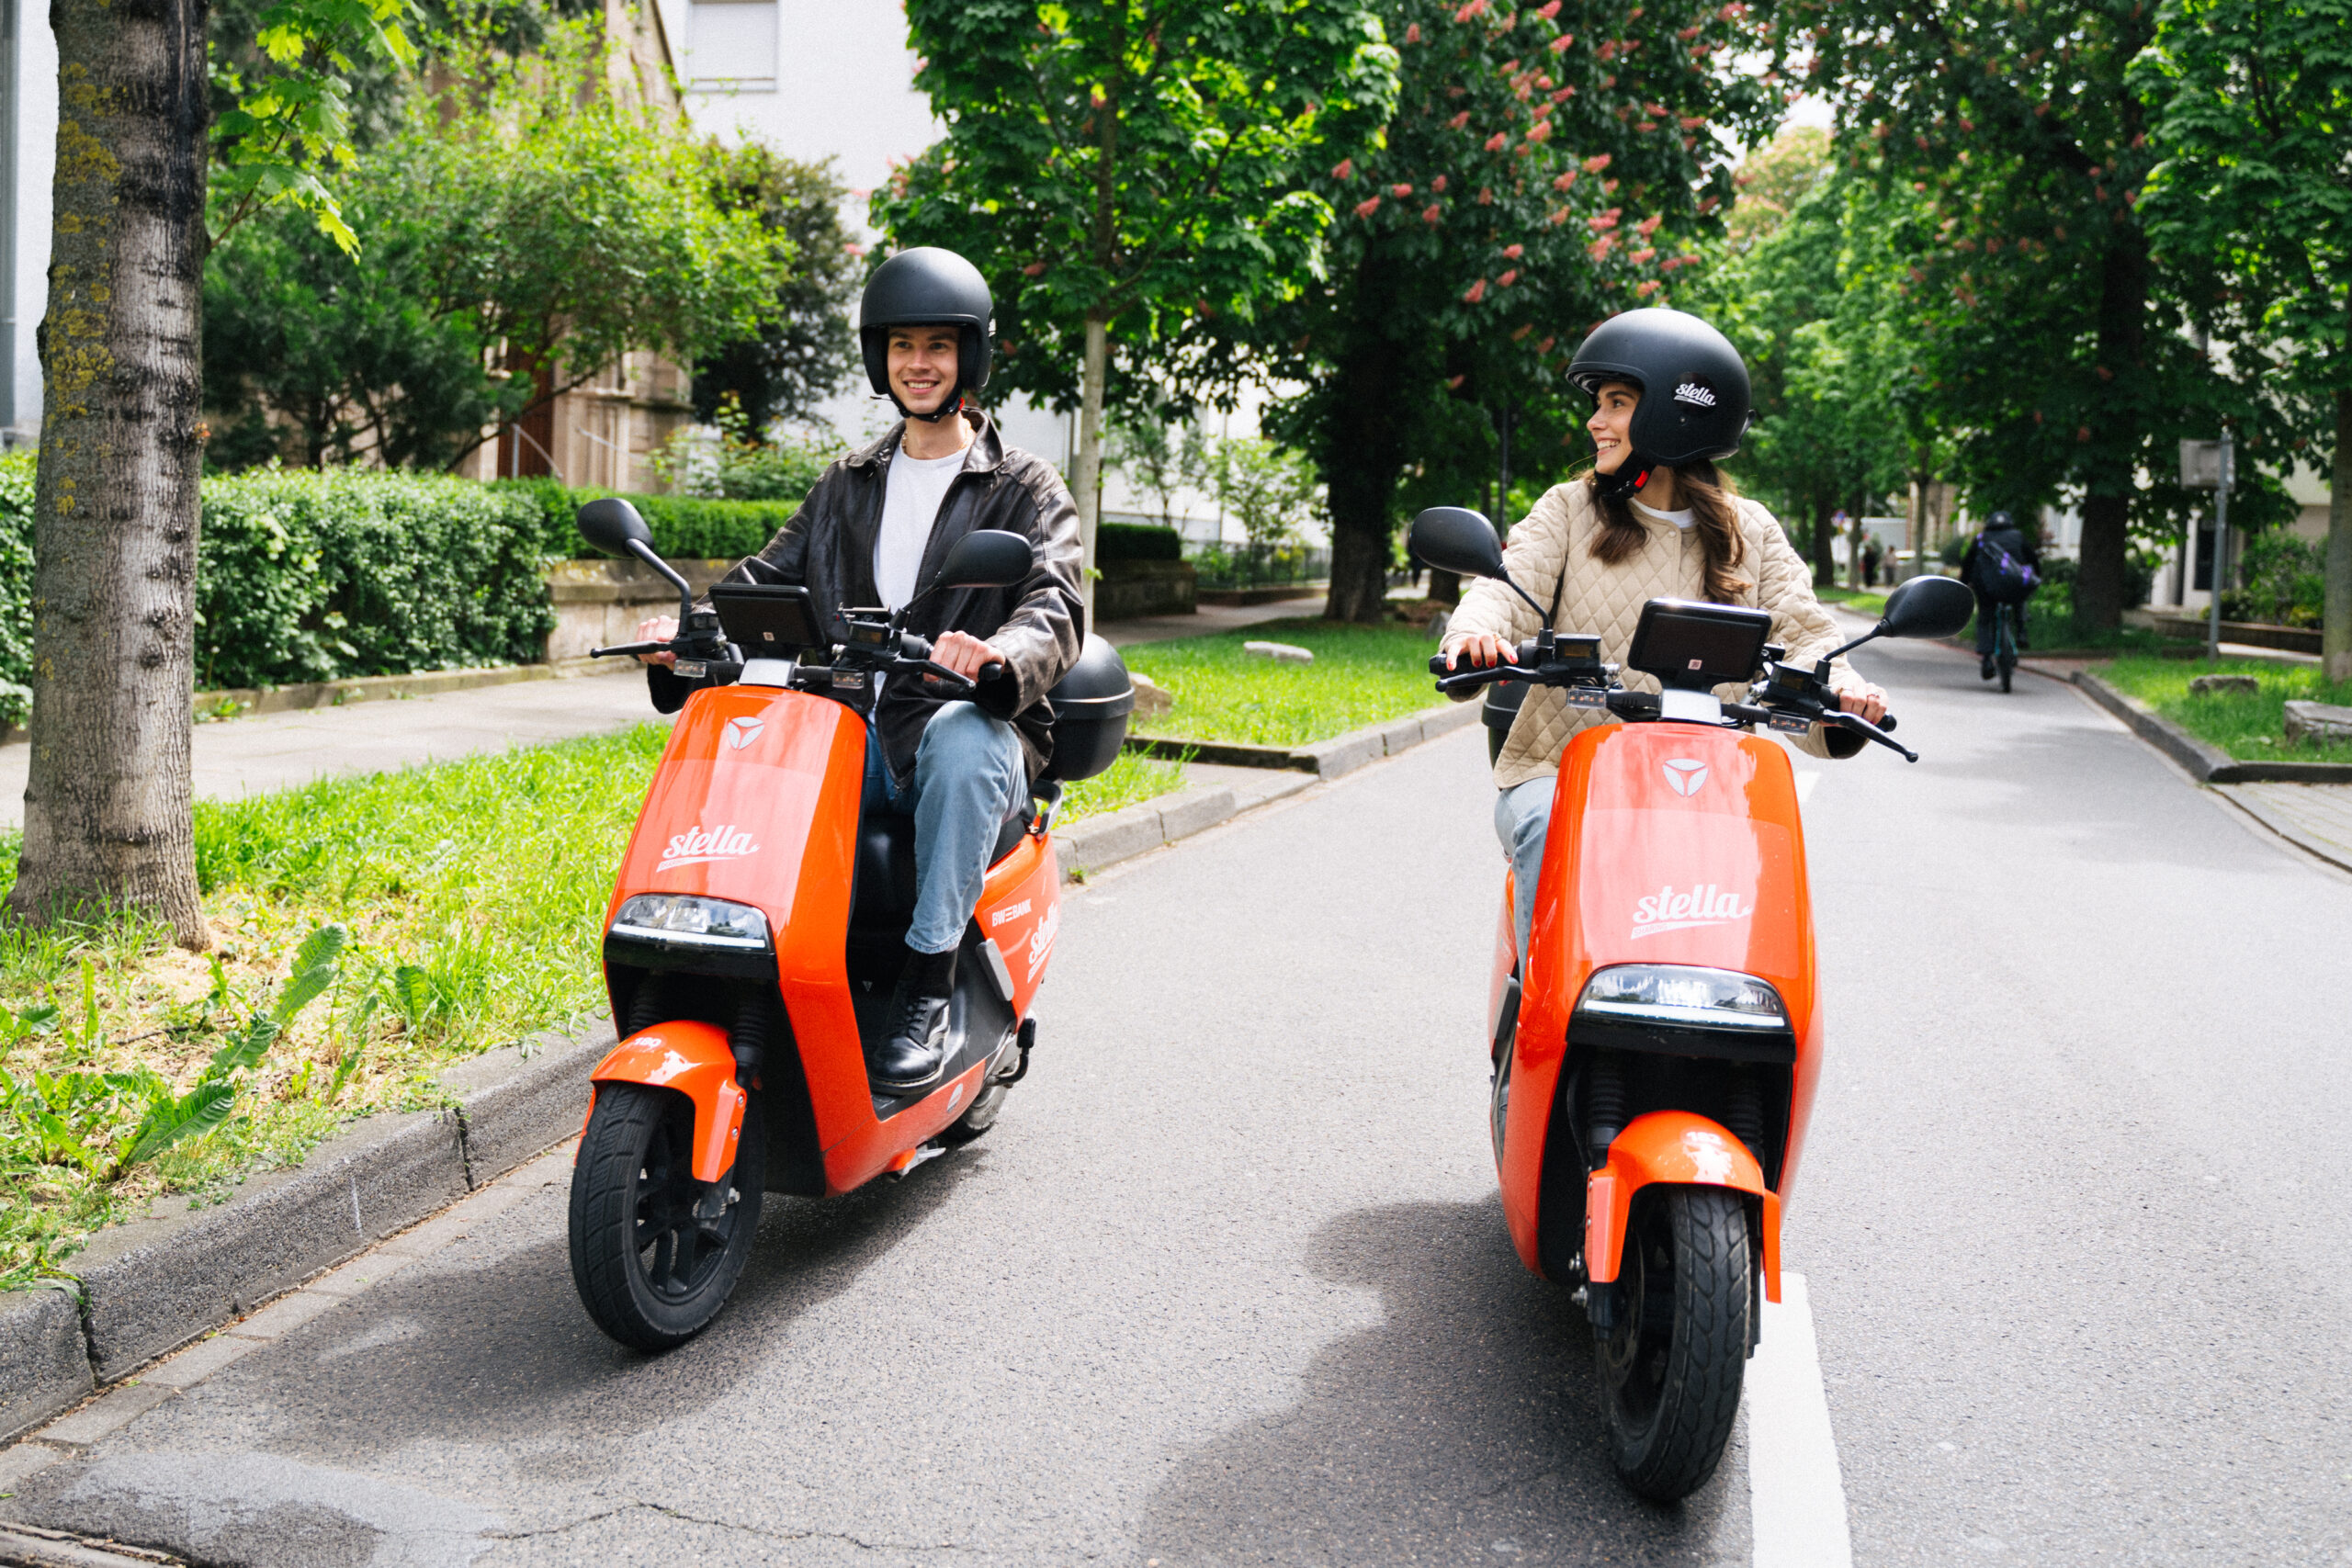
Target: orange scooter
756 930
1656 1047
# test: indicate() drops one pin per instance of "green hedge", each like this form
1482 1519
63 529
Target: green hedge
683 528
308 576
1137 541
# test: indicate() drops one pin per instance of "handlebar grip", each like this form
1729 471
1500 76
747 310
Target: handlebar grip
1487 675
1887 722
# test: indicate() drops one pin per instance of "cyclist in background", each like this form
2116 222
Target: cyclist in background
2003 565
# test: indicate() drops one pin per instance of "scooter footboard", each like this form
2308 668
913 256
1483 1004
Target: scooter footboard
692 1058
1672 1148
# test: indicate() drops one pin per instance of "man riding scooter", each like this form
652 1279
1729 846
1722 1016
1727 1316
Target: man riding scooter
873 532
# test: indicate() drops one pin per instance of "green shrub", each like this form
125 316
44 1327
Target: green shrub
684 527
309 576
1137 541
15 586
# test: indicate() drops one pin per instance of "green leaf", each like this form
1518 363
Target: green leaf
193 1114
315 971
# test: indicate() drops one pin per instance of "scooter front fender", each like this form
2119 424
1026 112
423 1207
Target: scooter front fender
694 1059
1671 1148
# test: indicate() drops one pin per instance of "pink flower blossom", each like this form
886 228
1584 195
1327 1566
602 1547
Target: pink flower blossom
1478 292
1413 33
1366 209
1514 252
1344 169
1593 166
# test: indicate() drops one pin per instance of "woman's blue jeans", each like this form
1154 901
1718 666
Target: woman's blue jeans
1522 815
969 776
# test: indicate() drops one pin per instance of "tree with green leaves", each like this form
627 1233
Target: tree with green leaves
520 202
1813 291
2253 200
1116 167
802 351
108 797
2054 344
1545 167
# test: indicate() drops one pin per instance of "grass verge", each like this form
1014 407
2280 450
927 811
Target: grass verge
470 893
1362 674
2251 728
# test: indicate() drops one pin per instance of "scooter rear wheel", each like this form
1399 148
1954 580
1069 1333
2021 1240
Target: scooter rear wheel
650 1272
1670 1370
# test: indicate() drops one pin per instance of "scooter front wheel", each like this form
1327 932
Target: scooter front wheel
652 1262
1672 1367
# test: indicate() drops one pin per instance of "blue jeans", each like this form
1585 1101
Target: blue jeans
1522 815
969 776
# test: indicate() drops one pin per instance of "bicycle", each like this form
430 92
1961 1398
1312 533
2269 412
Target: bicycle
2006 617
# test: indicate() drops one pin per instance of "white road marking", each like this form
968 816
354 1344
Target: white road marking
1795 1499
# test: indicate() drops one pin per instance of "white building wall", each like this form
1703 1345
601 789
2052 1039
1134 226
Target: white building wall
33 118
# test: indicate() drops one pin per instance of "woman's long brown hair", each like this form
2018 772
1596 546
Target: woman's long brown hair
1715 513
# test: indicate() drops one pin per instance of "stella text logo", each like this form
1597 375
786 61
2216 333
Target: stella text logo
1685 776
697 845
1041 938
1695 392
1704 904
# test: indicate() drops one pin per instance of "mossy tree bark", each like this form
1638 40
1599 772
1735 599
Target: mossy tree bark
106 807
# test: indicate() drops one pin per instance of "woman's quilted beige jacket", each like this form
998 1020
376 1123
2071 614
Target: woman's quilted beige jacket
1608 599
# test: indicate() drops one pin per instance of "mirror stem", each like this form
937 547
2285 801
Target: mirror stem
1877 631
1544 619
645 552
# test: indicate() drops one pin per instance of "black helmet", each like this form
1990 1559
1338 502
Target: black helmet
2000 519
1694 388
927 286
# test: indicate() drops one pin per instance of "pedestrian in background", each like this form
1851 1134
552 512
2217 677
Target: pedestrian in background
1872 556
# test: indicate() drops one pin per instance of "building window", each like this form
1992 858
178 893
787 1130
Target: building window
731 46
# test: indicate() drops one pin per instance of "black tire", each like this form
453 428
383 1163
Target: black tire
650 1274
1670 1370
2009 667
977 1118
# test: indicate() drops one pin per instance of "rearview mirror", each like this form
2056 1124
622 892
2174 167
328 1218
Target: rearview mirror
986 557
1928 607
1456 540
612 526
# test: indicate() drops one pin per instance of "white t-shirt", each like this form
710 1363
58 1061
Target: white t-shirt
1682 519
911 499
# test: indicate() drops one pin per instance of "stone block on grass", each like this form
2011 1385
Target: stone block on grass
1151 698
2223 686
44 1362
1280 653
2319 723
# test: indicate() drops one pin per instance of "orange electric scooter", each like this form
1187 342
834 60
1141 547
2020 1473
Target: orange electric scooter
1656 1047
757 926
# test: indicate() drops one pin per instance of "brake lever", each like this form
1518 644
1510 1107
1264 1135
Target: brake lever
1482 675
933 671
632 647
1869 732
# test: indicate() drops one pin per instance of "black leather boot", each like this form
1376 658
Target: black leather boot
912 1056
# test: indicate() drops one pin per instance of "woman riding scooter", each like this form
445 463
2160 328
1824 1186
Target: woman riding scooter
1652 519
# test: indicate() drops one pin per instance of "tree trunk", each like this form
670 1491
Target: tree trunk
1087 483
2107 489
1445 587
1825 537
1361 434
106 806
2335 626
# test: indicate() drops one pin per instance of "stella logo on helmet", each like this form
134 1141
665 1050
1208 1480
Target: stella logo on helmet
1695 392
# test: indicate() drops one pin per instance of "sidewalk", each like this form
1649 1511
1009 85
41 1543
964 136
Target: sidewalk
261 752
1209 619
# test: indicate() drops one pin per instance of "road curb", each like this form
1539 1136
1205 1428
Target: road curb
143 1290
1101 842
2206 763
1325 758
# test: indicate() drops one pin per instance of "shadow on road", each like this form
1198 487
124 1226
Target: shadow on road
487 1343
1466 1428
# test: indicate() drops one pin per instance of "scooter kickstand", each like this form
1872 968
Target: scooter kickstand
902 1164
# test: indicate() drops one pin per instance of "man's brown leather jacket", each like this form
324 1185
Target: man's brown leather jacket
1038 624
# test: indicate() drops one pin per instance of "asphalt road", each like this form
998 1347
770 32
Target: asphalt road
1228 1283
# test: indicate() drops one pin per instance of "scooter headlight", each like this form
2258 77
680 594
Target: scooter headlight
687 920
1676 994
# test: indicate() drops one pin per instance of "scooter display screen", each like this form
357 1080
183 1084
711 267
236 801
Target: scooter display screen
767 620
1692 644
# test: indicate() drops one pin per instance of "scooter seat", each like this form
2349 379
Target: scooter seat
884 890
